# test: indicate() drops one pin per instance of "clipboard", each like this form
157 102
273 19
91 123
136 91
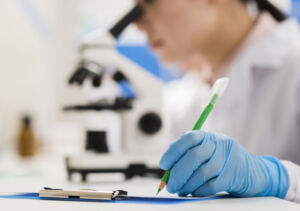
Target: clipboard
47 193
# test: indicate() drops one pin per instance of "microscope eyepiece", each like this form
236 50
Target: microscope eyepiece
130 17
133 15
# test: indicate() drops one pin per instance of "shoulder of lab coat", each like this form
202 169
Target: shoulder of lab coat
276 54
279 50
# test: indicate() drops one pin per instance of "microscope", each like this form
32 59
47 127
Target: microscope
135 105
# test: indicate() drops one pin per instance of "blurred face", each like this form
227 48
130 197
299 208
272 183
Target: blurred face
178 29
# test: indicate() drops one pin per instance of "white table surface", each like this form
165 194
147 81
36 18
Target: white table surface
18 176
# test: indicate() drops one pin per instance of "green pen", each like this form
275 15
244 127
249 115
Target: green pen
217 91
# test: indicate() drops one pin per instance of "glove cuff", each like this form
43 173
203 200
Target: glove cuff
278 177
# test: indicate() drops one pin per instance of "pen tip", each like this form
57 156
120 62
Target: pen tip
158 191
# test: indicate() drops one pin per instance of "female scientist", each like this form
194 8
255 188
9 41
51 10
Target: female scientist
252 43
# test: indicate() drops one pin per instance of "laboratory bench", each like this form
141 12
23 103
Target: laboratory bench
32 175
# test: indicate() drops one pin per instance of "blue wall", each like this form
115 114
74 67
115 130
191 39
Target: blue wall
143 56
296 9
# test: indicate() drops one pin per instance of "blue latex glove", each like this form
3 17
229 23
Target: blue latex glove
204 164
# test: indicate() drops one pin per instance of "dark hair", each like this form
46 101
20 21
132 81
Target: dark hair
265 5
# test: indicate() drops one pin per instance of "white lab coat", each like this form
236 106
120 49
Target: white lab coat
261 107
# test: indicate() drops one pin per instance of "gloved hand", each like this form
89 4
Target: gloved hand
204 164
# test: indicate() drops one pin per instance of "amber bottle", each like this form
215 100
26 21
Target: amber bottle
26 141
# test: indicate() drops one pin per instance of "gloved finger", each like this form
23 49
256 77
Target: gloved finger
179 148
188 164
212 187
205 172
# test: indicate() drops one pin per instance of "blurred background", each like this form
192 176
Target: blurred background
38 53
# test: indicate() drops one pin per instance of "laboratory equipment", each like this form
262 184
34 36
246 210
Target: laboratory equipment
137 114
26 143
